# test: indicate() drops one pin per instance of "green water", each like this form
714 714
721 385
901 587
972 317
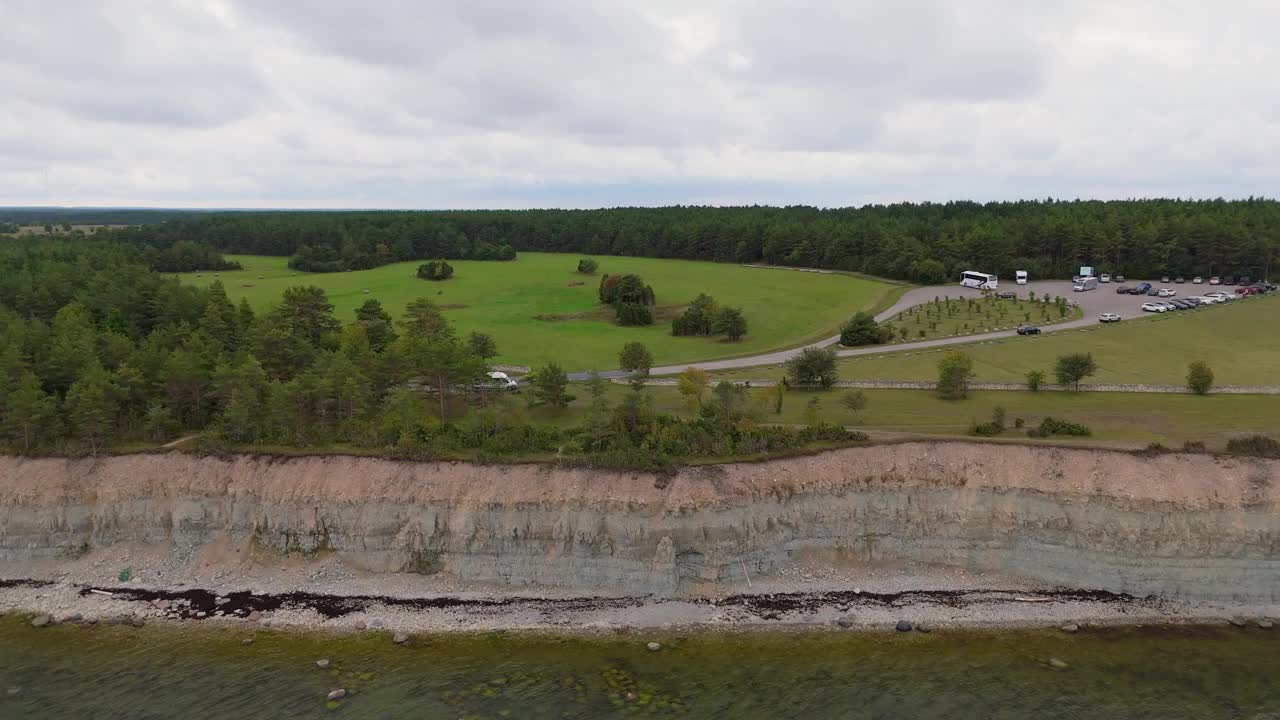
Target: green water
205 672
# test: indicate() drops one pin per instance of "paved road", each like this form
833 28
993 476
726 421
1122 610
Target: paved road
1092 303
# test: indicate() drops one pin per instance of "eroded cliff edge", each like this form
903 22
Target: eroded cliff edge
1189 526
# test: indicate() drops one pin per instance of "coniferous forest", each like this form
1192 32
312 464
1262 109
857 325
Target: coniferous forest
925 243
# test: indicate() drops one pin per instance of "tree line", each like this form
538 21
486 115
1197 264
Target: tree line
926 243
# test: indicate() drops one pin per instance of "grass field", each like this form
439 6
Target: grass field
1125 419
1238 340
946 317
782 308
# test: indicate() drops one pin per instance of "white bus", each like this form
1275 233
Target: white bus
974 279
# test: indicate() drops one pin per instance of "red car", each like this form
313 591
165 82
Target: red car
1247 290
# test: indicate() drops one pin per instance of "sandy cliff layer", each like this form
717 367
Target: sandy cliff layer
1189 526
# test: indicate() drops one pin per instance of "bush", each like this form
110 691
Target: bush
435 270
813 366
632 315
550 384
1035 379
1199 377
1052 426
730 323
986 429
1193 446
587 266
1256 445
861 329
1019 422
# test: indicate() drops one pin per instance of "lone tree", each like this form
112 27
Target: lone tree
955 371
635 358
587 266
813 366
692 384
855 400
730 323
861 329
435 270
550 385
482 345
1074 367
1199 377
1035 378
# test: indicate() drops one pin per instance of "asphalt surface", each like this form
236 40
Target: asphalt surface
1093 303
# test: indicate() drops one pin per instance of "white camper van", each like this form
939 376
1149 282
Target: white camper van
1020 277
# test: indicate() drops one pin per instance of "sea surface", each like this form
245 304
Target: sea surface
205 671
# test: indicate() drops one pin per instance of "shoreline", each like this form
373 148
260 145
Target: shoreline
849 610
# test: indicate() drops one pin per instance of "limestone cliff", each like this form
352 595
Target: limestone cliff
1192 526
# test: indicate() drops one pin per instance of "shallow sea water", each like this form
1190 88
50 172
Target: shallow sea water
204 671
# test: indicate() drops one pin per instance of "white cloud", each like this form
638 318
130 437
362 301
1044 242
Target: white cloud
574 103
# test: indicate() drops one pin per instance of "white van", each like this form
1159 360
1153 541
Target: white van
503 381
1020 277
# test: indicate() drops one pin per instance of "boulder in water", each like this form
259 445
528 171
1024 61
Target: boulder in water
903 626
1238 621
1059 664
400 638
1070 628
337 694
322 663
41 620
654 647
1265 624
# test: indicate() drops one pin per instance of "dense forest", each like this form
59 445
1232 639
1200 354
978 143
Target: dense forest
926 243
97 350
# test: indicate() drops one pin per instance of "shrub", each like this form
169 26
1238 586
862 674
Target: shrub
435 270
730 323
1019 422
813 366
1199 377
955 371
550 383
632 315
1053 426
1193 446
506 252
861 329
697 319
1035 379
855 400
1257 445
986 429
998 417
587 266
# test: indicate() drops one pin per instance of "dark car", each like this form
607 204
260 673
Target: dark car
1028 330
1007 295
1228 279
1244 280
1118 278
1124 290
1141 288
1152 291
1184 304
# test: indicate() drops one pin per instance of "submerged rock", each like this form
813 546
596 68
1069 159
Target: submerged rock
138 622
41 620
400 638
1070 628
903 626
844 622
15 690
337 694
654 647
1238 621
322 663
247 641
1056 663
1265 624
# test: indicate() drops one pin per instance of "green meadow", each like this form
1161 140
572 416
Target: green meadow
539 309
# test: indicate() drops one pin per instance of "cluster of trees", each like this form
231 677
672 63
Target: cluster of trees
435 270
632 300
705 317
926 243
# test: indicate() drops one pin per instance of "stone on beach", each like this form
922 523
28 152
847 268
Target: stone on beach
400 638
41 620
1070 628
903 626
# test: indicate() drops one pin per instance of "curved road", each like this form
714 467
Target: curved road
1093 303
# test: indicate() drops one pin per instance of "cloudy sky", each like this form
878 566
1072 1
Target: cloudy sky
582 103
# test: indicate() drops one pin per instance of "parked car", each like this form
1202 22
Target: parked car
1220 296
1184 304
1166 292
1028 330
1154 307
1229 280
1106 278
1179 280
1153 292
1118 278
1197 280
1164 278
1123 290
1215 280
1245 291
1169 305
1108 318
1141 288
1245 280
1007 295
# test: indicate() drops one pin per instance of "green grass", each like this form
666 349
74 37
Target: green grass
1238 340
782 308
969 316
1121 419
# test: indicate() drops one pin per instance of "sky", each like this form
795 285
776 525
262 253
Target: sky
581 103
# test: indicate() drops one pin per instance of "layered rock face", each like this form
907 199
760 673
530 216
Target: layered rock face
1187 526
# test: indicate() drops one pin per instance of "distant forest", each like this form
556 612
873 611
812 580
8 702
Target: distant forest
925 243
